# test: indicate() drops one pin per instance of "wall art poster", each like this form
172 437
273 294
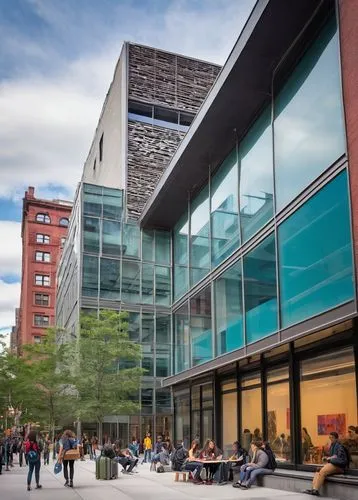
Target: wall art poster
336 422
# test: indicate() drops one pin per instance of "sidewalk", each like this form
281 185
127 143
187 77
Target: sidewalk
143 485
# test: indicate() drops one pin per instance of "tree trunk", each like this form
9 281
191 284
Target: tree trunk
100 431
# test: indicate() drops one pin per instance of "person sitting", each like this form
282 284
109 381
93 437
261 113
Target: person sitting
210 452
226 470
337 462
193 464
159 449
259 465
134 447
125 458
178 456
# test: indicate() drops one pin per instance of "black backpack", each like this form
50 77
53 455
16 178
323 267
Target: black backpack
272 464
348 455
160 468
178 458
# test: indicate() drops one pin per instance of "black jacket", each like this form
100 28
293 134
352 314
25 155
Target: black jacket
341 459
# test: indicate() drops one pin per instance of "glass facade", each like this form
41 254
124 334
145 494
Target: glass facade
200 327
181 256
181 339
199 237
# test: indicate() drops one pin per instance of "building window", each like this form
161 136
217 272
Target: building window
181 256
110 279
42 299
229 414
162 247
42 280
200 327
63 241
64 222
131 240
162 286
91 234
94 165
328 404
134 326
112 203
308 126
260 289
225 232
90 276
199 237
42 321
251 409
101 148
256 176
44 218
181 339
228 310
159 116
42 256
111 237
131 282
42 238
147 283
278 413
316 269
37 339
148 245
182 416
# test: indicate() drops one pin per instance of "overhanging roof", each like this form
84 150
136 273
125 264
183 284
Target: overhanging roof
241 90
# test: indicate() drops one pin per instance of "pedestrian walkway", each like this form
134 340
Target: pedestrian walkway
144 484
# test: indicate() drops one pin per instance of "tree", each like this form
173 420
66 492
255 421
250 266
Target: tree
107 375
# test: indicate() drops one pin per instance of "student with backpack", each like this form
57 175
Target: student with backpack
33 455
178 457
263 462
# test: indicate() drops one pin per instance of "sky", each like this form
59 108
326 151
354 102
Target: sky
57 59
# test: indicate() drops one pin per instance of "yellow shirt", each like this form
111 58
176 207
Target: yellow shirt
147 443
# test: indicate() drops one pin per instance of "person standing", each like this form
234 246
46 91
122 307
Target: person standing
33 455
46 451
67 442
2 454
147 443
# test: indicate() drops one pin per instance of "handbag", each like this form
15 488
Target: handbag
57 468
72 454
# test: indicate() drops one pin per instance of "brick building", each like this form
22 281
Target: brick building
44 229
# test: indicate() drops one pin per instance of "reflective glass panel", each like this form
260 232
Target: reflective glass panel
251 416
162 286
162 360
199 238
256 176
148 245
162 330
200 327
90 235
147 283
182 416
147 328
309 128
315 249
181 281
146 398
131 239
147 360
111 238
92 204
228 310
229 420
112 203
162 247
134 326
180 236
90 276
181 339
110 279
225 233
328 404
260 290
131 282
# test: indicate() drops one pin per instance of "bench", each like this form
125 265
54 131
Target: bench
183 474
340 486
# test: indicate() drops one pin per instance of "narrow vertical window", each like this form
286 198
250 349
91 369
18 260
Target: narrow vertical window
101 148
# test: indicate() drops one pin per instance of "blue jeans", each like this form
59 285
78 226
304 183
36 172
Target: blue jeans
34 466
147 456
156 458
249 474
194 466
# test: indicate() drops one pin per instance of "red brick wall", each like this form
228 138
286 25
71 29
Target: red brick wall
30 266
348 20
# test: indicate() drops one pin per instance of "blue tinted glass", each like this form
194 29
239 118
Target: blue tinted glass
147 328
147 283
315 249
111 238
148 245
162 286
228 310
225 234
131 282
180 237
181 339
181 281
92 204
90 276
199 238
90 234
162 360
131 239
133 326
112 204
110 279
162 247
200 327
256 177
309 129
260 291
92 188
162 329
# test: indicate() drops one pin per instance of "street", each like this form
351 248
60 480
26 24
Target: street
144 484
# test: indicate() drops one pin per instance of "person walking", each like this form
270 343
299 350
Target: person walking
46 450
33 455
67 442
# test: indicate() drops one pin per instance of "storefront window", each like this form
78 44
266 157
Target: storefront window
251 409
90 235
199 236
328 404
260 290
110 279
315 254
111 238
200 327
309 129
229 414
278 413
181 339
228 310
225 233
182 416
256 176
90 276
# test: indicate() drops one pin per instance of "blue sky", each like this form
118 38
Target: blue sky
57 59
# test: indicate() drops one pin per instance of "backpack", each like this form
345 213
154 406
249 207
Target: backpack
108 451
32 455
160 469
348 455
178 458
272 464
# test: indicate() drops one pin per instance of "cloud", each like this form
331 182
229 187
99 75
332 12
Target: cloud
10 249
51 99
9 300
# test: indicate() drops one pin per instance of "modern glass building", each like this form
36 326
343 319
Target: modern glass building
260 203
